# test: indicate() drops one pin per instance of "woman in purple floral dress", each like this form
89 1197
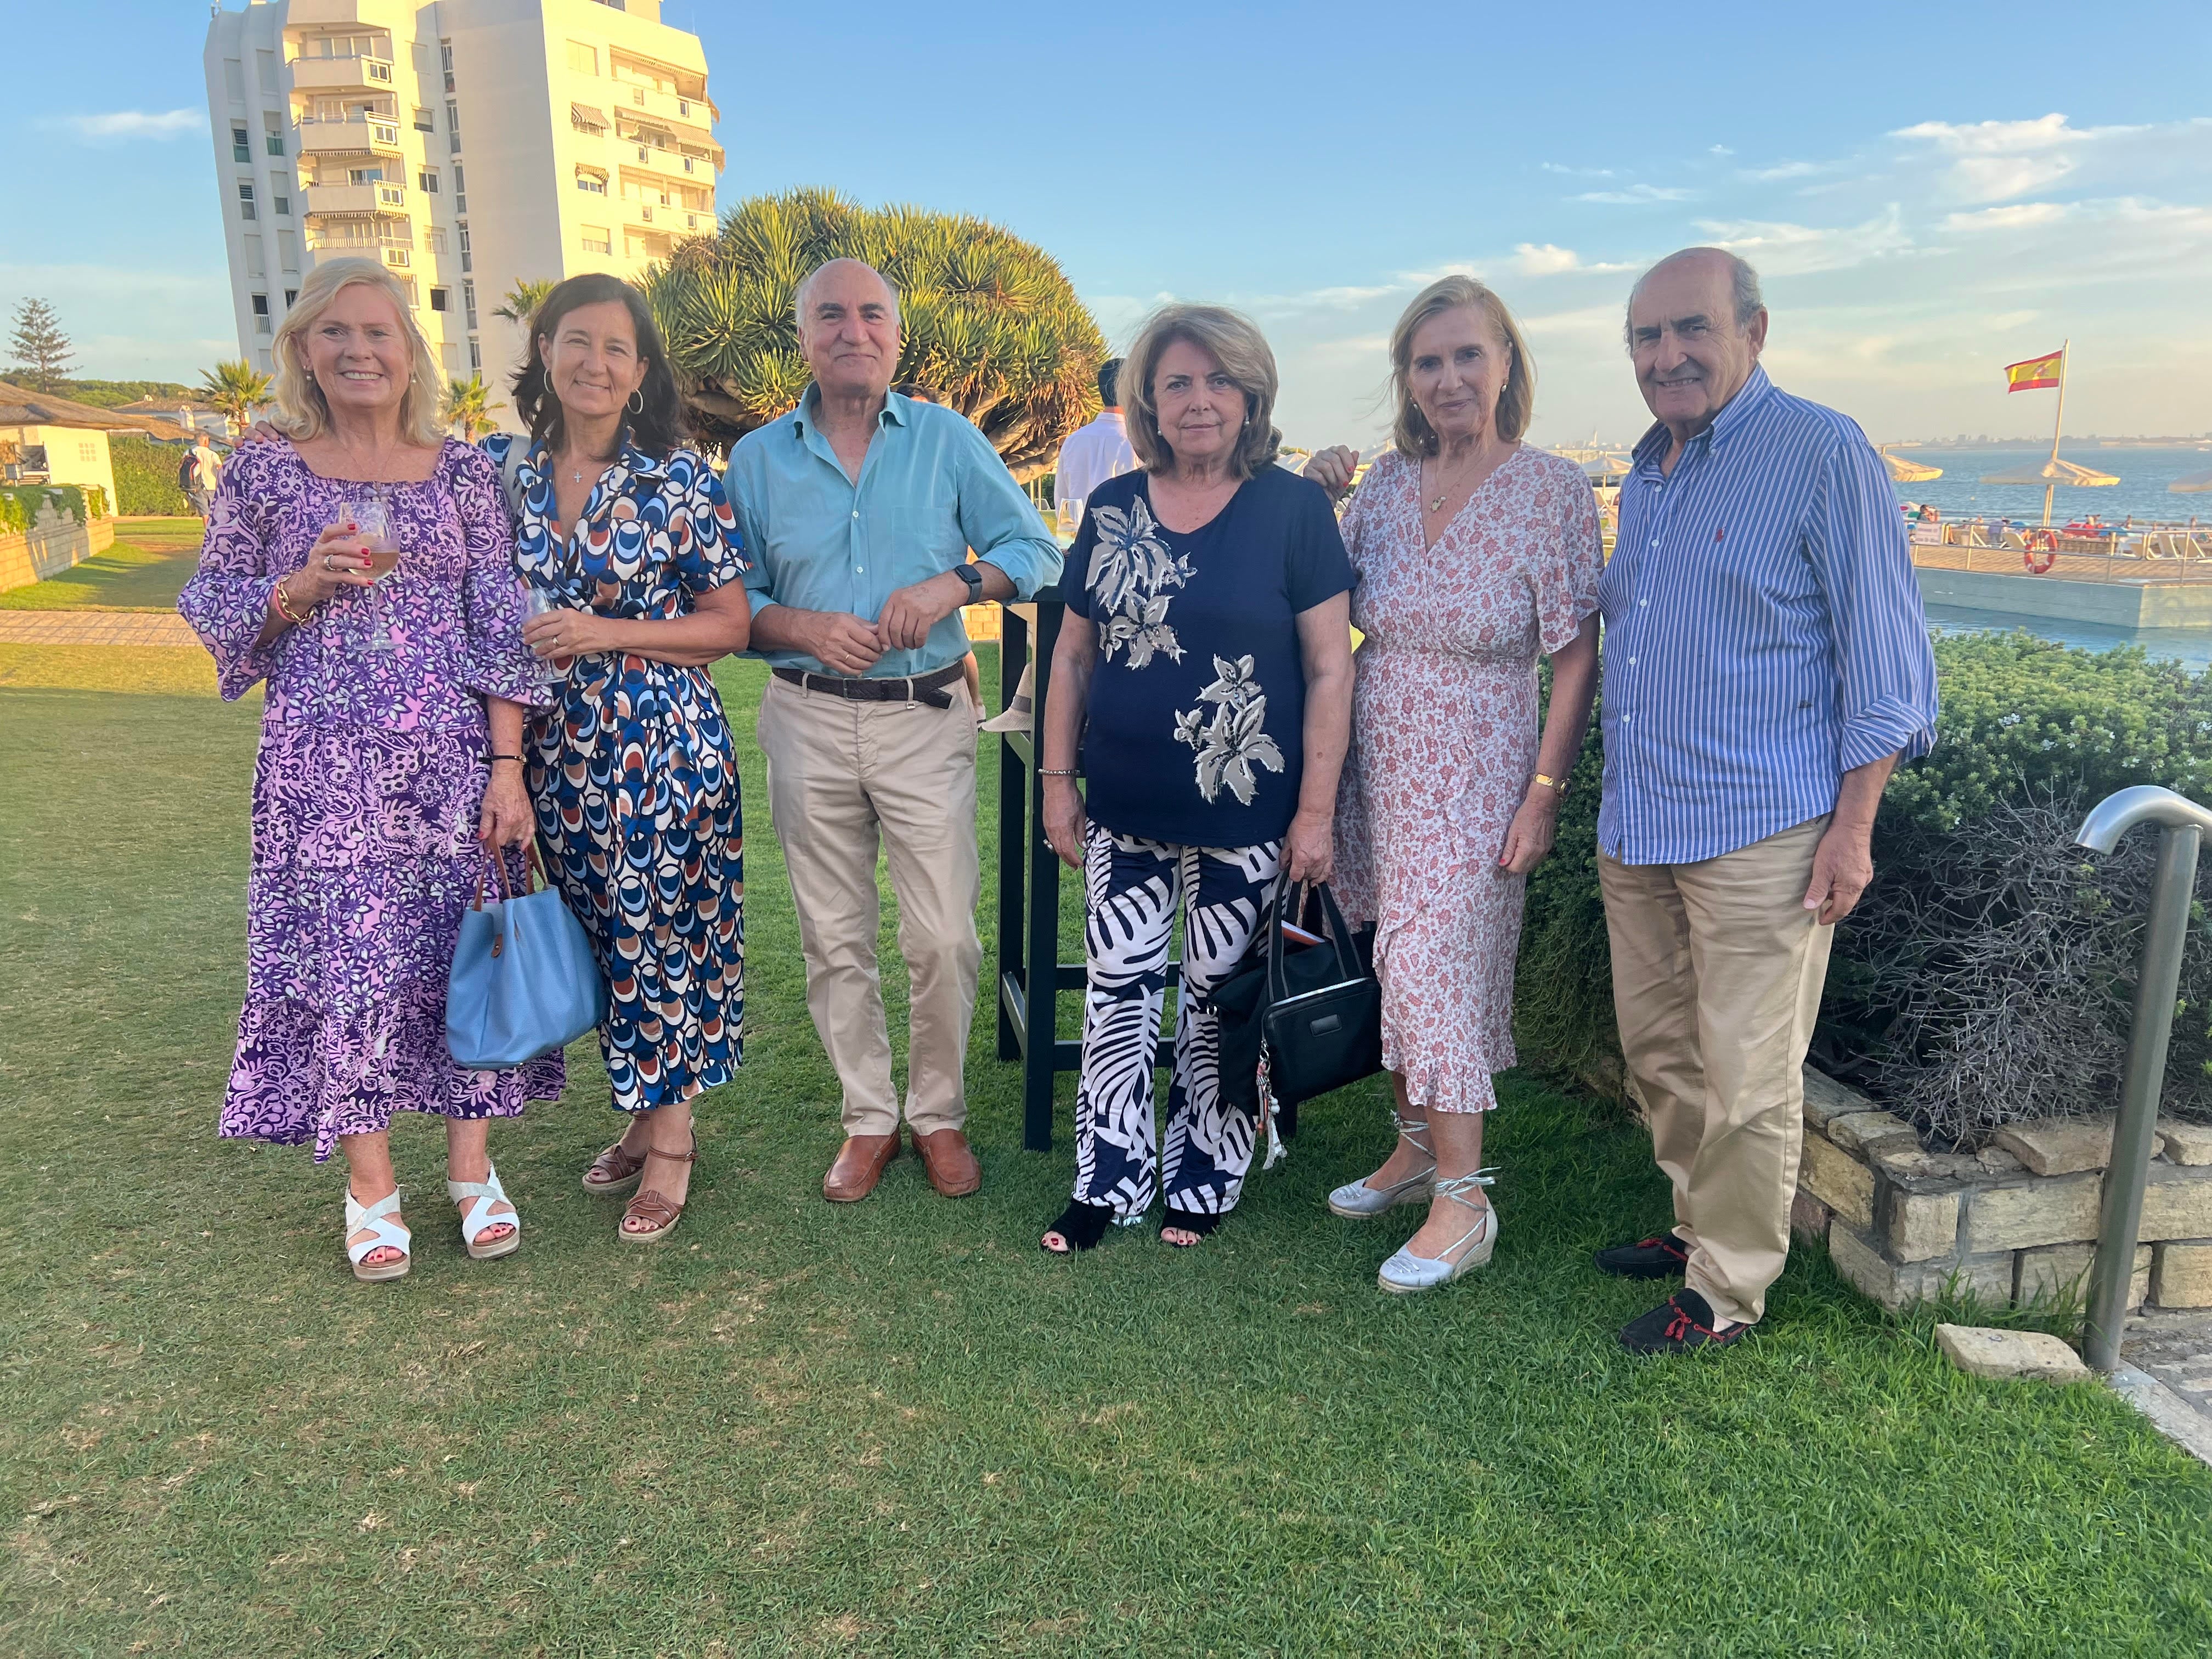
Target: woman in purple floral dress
389 754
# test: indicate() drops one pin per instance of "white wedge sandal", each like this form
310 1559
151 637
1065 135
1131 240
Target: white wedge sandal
1405 1272
1359 1202
375 1220
477 1221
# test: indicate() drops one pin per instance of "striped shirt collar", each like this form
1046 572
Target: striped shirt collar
1651 448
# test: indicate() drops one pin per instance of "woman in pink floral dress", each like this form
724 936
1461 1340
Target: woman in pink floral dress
1475 552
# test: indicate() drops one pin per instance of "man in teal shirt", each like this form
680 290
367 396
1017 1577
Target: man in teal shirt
859 509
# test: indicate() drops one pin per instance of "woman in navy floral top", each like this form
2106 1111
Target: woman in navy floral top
632 777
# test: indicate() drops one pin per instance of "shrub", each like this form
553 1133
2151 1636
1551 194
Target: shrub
145 477
1973 865
95 501
20 506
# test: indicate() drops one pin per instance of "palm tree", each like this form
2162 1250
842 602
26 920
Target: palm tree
468 405
235 387
523 299
991 324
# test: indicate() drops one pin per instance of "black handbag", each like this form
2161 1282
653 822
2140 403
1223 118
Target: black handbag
1295 1024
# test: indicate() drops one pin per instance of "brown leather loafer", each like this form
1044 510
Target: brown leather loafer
860 1164
952 1167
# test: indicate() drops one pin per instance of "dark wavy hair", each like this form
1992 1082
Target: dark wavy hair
659 427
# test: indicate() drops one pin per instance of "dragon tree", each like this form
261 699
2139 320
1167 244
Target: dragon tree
989 323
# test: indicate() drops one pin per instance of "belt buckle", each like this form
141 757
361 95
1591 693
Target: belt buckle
909 690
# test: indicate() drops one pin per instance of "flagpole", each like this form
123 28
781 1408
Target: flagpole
2057 426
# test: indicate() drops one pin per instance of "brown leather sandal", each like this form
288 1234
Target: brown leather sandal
615 1170
652 1207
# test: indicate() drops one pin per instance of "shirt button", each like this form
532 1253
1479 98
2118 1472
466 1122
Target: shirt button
1631 662
1626 720
1643 602
859 570
856 514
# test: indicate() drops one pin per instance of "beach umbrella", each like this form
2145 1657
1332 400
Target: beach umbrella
2194 484
1605 468
2051 474
1904 471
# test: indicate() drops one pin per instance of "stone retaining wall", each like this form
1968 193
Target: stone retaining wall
2016 1220
51 546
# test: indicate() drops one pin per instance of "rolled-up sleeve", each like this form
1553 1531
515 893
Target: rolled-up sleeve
227 600
1885 667
1000 522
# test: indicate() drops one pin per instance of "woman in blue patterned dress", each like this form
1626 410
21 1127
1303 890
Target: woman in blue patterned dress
632 774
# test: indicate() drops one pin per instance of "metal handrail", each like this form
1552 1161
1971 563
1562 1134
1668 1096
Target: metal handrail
2183 824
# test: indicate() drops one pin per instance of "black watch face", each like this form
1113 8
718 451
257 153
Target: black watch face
973 577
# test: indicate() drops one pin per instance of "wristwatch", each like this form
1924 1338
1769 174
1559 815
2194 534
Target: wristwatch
973 577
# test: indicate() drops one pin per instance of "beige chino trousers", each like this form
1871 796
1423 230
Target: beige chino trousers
844 778
1717 968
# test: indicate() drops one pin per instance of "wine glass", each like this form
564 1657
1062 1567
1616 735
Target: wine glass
537 601
372 521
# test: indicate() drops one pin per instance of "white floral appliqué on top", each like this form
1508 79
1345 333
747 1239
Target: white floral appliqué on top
1133 574
1233 739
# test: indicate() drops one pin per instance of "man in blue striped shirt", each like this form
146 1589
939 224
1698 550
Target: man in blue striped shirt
1766 665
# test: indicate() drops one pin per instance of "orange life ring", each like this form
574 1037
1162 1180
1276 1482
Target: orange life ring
2039 551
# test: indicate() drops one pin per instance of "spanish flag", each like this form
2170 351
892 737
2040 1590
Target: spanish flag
2035 375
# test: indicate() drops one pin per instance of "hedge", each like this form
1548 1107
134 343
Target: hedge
145 477
2026 724
21 504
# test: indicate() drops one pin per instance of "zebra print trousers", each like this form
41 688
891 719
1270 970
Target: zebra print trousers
1133 889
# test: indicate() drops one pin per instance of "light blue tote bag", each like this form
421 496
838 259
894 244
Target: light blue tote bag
524 982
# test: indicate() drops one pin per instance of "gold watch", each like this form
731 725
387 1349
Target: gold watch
1558 783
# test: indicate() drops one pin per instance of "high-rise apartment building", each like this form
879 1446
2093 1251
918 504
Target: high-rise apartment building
468 144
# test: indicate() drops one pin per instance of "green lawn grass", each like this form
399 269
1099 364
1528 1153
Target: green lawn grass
896 1428
144 570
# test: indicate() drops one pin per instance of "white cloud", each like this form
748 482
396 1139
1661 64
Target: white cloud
1545 261
1785 170
2022 215
1780 249
1574 172
1720 149
2000 158
115 126
1637 193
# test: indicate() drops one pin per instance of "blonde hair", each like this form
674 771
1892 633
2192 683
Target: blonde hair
302 411
1235 342
1516 399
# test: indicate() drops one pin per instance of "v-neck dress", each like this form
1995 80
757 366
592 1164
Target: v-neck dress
1444 744
632 773
367 793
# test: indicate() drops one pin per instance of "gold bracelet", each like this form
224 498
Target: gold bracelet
282 602
1559 784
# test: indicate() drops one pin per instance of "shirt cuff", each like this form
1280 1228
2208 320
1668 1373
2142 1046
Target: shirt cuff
1028 563
1891 727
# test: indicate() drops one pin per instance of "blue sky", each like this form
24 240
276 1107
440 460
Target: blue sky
1931 191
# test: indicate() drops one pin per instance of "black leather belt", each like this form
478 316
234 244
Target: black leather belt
926 688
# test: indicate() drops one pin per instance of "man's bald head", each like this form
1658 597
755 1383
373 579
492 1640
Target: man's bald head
838 273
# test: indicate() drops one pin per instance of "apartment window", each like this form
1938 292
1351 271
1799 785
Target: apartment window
260 303
365 175
469 302
684 107
688 167
254 268
596 238
281 206
246 201
264 64
591 183
438 298
427 181
288 253
241 144
445 62
291 298
433 239
468 261
475 351
424 121
453 126
583 59
234 79
273 133
460 190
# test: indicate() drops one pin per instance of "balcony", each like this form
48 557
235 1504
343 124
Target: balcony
302 14
369 136
693 165
355 200
634 99
342 74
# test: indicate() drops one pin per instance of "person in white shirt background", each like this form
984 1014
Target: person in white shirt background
1092 454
